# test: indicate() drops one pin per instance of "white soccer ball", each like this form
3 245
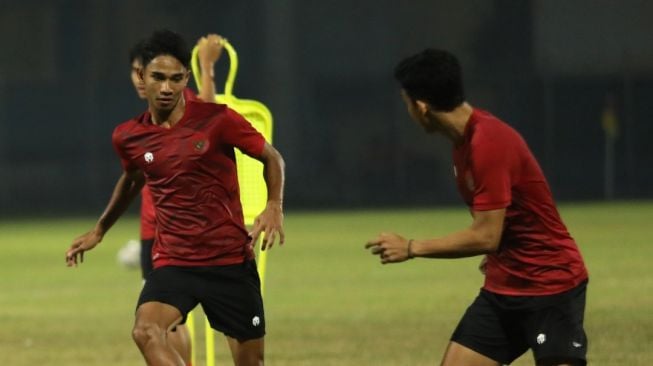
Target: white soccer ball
129 256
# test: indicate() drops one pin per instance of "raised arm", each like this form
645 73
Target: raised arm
482 237
127 188
210 49
270 221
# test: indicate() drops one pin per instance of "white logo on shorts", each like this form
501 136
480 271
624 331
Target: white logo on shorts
576 344
256 321
541 338
149 157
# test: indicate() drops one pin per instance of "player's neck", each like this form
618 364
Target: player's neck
455 121
168 118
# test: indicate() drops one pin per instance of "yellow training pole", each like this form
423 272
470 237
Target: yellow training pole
190 324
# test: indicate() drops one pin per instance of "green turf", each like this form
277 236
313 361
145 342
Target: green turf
328 301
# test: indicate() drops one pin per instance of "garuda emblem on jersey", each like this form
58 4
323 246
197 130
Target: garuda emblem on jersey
200 145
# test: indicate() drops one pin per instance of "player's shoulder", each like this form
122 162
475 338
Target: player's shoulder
213 111
199 108
129 126
486 125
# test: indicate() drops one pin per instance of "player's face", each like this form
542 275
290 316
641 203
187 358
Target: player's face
419 114
165 79
139 85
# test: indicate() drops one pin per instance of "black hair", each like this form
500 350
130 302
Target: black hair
165 42
433 76
136 52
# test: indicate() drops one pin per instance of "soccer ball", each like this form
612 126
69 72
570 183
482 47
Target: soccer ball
129 256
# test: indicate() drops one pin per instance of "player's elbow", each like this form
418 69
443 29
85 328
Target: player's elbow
488 242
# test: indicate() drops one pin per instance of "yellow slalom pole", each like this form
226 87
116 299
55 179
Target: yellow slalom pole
209 340
190 324
250 171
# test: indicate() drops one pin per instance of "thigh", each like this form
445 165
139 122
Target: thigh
232 301
555 332
488 330
459 355
171 286
164 316
245 353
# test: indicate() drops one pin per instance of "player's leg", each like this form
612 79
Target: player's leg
153 321
485 336
163 304
235 308
555 329
459 355
179 339
247 353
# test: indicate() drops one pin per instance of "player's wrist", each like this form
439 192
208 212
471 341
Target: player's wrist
278 204
410 253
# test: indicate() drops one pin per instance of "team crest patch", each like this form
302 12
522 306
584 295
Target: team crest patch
149 157
200 145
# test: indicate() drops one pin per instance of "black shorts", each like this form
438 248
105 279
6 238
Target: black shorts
230 296
504 327
146 257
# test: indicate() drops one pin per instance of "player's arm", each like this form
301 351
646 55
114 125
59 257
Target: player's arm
210 49
270 221
127 188
482 237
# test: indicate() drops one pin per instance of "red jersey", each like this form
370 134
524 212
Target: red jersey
148 219
495 169
190 170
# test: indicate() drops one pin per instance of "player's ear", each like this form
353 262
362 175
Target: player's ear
422 107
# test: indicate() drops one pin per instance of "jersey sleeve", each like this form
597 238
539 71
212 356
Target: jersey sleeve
490 168
238 132
117 140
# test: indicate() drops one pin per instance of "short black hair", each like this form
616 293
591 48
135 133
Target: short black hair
136 52
433 76
165 42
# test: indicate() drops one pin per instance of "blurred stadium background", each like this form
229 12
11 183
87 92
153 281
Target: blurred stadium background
574 77
325 70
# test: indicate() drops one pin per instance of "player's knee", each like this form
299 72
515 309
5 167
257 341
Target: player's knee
251 358
144 333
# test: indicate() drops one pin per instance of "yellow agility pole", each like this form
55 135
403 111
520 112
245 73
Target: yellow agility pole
253 191
190 324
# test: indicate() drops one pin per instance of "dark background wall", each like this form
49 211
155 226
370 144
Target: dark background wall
325 70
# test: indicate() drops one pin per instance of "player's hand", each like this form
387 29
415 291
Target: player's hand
270 223
391 248
210 49
88 241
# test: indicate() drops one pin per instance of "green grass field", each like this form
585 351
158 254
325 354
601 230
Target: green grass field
328 302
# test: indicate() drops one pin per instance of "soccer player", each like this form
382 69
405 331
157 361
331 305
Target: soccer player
209 51
202 254
535 279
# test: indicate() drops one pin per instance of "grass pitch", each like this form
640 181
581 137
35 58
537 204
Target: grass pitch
328 301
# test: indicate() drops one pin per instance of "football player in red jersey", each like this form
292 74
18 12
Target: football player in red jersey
535 278
202 253
210 49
